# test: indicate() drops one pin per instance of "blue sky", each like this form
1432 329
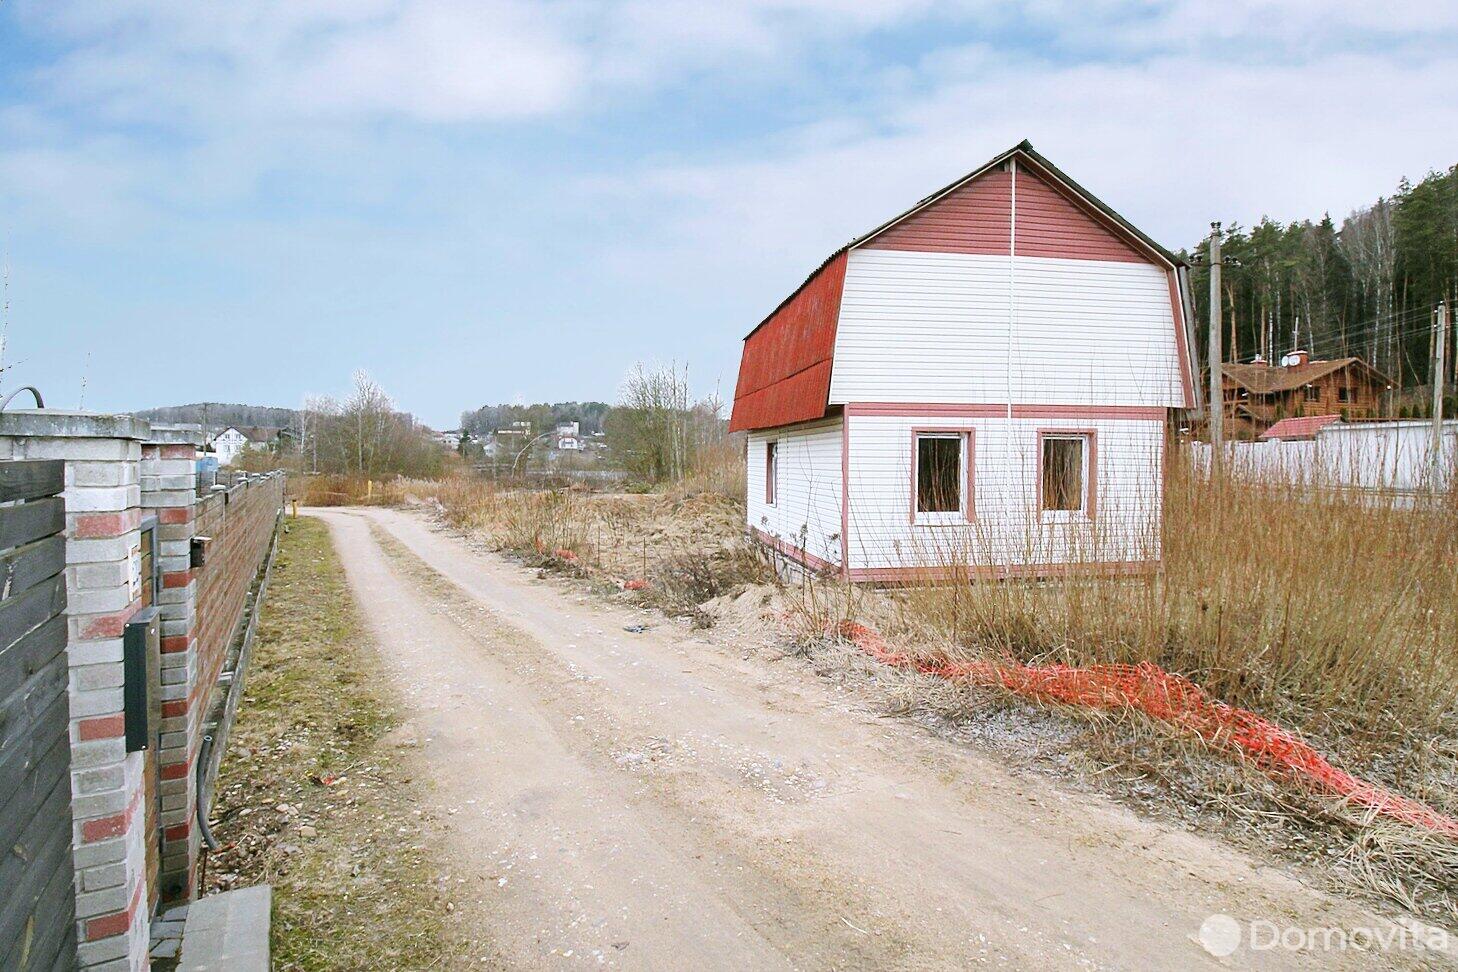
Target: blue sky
503 200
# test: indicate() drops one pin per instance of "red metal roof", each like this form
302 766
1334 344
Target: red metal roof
784 375
1301 427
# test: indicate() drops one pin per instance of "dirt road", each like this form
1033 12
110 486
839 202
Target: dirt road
668 801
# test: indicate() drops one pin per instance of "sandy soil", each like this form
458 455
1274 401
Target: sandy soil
667 799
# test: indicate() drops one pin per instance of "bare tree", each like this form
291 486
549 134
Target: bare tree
365 435
1369 241
657 428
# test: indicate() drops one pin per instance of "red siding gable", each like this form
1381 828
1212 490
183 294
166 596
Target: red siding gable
784 375
975 218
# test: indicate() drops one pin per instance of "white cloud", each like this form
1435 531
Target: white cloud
1171 142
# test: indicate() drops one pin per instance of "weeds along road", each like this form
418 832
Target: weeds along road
662 800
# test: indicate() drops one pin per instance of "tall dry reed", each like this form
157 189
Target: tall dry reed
1336 611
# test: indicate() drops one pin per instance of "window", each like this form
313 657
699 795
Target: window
771 471
939 473
1065 473
1313 393
1345 394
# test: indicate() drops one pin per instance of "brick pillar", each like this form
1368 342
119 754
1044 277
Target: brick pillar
103 511
169 470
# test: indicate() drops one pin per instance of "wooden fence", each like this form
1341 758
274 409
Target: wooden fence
37 899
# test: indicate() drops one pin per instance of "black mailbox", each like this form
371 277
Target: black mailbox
142 678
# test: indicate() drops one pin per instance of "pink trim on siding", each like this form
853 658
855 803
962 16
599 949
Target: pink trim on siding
844 495
969 440
1156 413
1187 384
1090 487
802 557
931 575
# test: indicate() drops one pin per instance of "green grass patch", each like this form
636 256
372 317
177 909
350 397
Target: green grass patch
313 799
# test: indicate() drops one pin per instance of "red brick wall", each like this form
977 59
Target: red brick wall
240 523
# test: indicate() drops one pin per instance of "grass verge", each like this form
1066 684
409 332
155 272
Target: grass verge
313 799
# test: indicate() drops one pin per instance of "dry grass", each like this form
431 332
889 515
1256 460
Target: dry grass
1337 615
1333 616
309 798
329 490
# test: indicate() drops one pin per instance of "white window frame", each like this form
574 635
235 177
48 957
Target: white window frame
941 517
771 472
1087 485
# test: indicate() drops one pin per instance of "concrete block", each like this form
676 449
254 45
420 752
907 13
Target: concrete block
100 473
168 497
176 548
100 499
170 480
84 678
96 780
103 902
108 574
228 931
98 601
103 876
94 702
104 804
97 753
100 549
109 851
172 595
177 619
98 955
84 449
93 652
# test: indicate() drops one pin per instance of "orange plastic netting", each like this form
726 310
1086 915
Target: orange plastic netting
1173 699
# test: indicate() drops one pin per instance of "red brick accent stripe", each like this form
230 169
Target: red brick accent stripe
94 526
111 826
174 643
108 625
117 923
177 578
101 727
174 514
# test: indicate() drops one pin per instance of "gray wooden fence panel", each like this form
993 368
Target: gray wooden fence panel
31 480
38 906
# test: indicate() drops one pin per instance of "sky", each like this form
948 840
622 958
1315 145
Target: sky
482 201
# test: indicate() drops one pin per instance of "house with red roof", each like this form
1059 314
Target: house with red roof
1300 429
979 386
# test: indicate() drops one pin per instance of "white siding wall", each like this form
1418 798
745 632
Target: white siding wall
933 327
806 512
1007 529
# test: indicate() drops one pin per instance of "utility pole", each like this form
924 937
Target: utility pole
1440 338
1217 387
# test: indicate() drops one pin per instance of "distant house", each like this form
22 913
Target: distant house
978 387
1259 394
228 445
231 442
568 438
